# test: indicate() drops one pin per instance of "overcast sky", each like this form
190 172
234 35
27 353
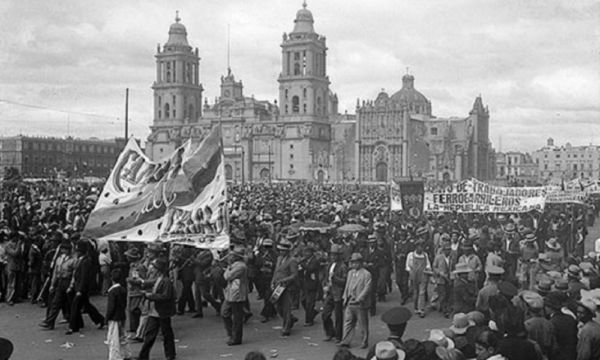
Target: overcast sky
536 63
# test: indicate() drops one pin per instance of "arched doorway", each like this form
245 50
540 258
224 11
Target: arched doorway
228 172
264 174
381 172
320 176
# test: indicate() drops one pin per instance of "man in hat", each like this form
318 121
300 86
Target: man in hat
465 290
494 274
356 300
202 262
285 275
588 346
236 294
135 295
81 286
403 246
564 327
555 255
334 285
59 285
396 320
442 268
529 253
575 284
471 259
15 266
310 283
161 310
265 261
539 329
372 258
417 262
511 245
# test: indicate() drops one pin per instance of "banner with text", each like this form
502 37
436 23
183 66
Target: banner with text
181 199
395 197
474 196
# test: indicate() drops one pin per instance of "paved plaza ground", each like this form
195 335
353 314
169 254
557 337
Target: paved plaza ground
200 338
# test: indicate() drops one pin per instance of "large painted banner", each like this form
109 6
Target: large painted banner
181 199
474 196
395 197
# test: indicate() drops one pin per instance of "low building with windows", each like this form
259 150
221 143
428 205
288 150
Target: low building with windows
46 157
567 162
516 169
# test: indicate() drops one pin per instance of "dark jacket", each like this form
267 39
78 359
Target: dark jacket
83 275
338 280
117 302
310 274
465 294
565 333
163 298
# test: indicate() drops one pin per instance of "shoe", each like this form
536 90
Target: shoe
364 346
328 339
101 325
264 319
69 332
307 324
11 303
137 340
233 343
285 333
198 315
343 345
63 321
46 326
337 341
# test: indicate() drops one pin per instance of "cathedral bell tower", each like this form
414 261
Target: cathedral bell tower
177 91
304 100
303 82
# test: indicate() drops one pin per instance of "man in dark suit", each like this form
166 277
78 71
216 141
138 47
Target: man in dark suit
162 308
334 285
236 294
286 273
310 283
83 277
564 327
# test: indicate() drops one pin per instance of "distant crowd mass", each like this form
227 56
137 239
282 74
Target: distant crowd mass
511 286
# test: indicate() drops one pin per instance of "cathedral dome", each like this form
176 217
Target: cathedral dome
177 33
409 96
304 21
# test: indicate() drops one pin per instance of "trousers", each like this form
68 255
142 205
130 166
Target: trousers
352 315
335 309
82 302
310 298
284 309
233 317
152 327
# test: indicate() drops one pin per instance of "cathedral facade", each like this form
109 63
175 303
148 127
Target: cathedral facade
288 139
398 137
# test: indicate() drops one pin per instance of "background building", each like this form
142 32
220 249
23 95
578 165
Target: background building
40 157
567 162
399 137
262 140
516 168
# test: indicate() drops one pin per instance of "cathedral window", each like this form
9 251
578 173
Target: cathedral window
304 108
304 93
174 101
304 63
174 71
191 111
296 68
167 111
295 105
319 105
286 108
286 94
168 71
296 56
434 131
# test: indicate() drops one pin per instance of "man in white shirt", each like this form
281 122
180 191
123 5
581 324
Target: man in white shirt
417 263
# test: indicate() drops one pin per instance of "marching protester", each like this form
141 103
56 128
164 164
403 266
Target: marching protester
285 277
356 299
118 348
236 294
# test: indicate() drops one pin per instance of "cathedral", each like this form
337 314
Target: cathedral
301 136
288 139
398 137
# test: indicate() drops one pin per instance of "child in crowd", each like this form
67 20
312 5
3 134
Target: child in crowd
118 348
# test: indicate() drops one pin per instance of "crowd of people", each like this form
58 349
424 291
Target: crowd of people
512 286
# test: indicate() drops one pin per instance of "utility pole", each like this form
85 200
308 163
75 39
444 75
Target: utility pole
126 114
